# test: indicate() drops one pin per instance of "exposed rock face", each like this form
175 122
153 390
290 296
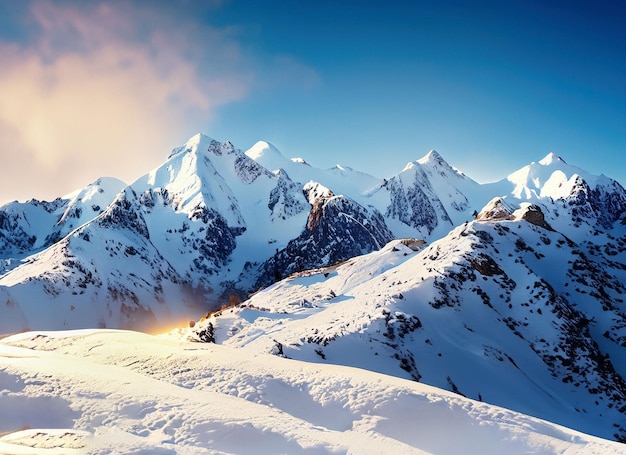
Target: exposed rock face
534 215
411 206
216 245
606 202
14 239
124 213
496 210
336 228
318 196
284 201
485 265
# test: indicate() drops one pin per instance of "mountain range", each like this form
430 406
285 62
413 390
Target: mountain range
509 292
207 227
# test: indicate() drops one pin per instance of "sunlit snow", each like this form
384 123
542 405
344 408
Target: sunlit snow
103 392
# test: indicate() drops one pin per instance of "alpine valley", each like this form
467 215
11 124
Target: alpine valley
508 294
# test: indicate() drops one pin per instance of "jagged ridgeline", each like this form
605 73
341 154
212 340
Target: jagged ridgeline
213 224
206 228
510 308
510 292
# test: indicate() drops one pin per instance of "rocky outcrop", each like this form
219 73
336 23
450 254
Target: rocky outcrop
337 229
606 202
497 209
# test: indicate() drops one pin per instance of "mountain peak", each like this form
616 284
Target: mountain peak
550 177
263 149
299 160
432 157
496 209
193 143
110 185
315 190
551 158
267 155
196 141
340 168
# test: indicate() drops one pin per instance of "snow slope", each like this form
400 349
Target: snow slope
507 311
120 392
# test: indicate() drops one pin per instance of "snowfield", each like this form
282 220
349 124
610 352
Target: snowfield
108 391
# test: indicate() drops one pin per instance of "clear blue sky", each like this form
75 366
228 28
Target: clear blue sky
491 85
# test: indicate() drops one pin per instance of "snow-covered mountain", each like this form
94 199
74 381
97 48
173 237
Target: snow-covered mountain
595 202
509 293
429 197
26 228
343 180
522 306
337 228
161 252
212 224
204 229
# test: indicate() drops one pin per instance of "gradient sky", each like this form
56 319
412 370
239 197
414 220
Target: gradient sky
109 88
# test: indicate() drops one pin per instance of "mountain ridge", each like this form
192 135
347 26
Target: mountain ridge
227 224
509 292
461 305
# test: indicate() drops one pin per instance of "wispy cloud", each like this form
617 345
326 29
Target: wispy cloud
106 89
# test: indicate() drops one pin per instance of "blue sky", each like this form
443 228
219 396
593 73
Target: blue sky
91 87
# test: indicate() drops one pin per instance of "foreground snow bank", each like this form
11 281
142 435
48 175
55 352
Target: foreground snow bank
103 391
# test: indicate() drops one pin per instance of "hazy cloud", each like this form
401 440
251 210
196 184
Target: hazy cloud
107 89
287 72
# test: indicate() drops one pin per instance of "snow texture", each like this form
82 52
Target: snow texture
119 392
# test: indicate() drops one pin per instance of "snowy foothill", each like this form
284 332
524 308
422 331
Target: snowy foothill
124 392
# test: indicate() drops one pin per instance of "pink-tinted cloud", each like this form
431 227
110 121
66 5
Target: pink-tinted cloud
107 89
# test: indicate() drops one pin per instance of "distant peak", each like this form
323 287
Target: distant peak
269 145
551 158
265 144
262 148
409 165
300 161
281 174
108 181
197 139
192 143
432 157
111 185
